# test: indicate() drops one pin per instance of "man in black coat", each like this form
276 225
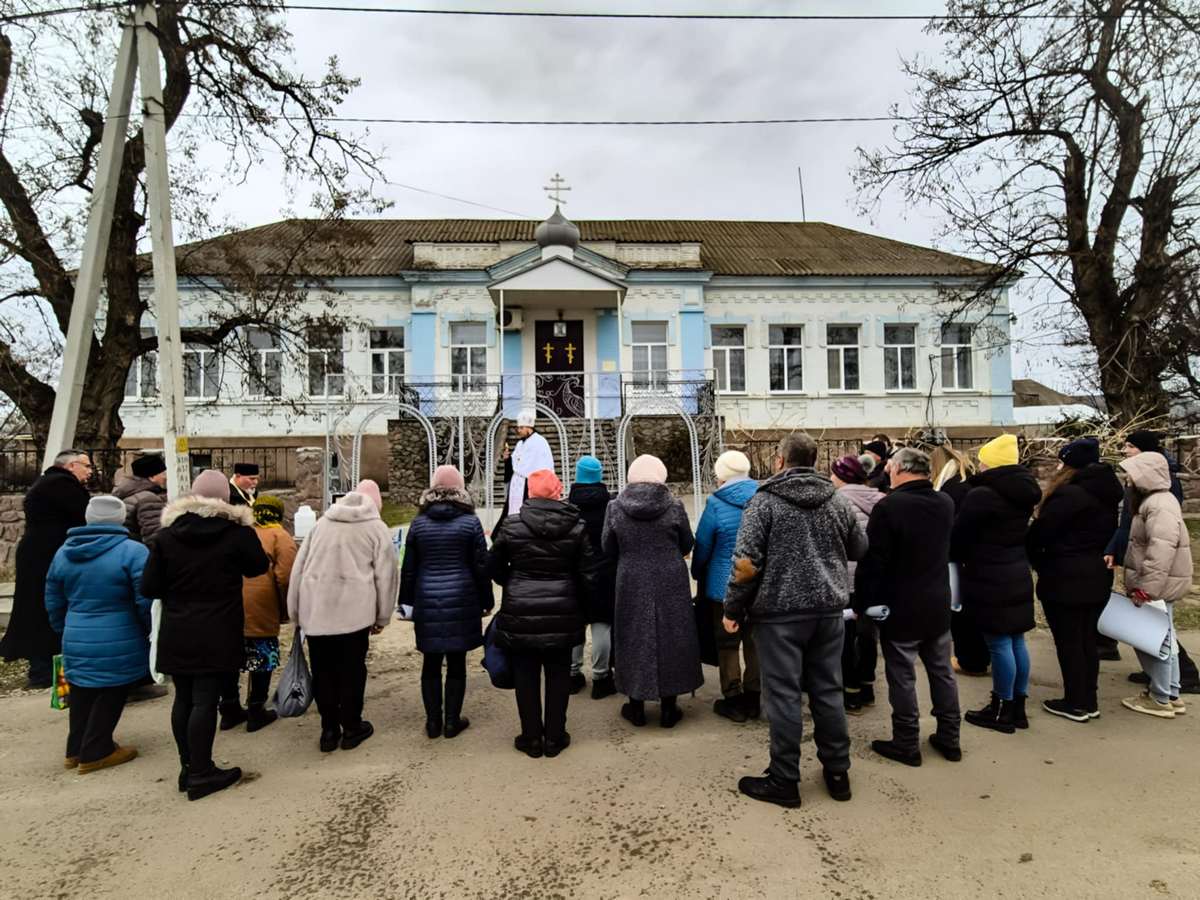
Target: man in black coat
907 569
55 503
243 486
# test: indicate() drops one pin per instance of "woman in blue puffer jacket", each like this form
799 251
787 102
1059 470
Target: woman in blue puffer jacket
93 601
712 560
445 581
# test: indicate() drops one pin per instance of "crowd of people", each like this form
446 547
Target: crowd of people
803 581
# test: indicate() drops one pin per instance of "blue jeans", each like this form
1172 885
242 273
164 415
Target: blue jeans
1010 664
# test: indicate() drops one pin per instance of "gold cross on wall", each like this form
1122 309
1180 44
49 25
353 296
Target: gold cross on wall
570 348
549 348
555 189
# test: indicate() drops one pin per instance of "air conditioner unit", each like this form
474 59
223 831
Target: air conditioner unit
514 318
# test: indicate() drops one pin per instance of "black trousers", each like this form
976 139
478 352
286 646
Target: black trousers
969 646
194 718
260 686
527 670
456 665
231 687
94 714
41 668
860 652
339 670
1074 630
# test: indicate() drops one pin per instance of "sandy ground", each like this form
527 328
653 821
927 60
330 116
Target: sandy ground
1072 810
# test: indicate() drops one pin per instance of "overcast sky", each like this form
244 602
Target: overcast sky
482 67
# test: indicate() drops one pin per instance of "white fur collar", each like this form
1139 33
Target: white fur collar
207 508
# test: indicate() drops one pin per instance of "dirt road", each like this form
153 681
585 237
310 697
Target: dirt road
1101 810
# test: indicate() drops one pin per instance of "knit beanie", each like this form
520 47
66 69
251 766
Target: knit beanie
105 510
732 464
1080 453
369 488
148 466
849 470
588 470
1146 441
1001 451
211 484
647 469
448 477
544 485
268 510
879 448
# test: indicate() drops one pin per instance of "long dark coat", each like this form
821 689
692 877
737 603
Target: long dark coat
55 503
592 501
648 533
1067 540
445 578
989 543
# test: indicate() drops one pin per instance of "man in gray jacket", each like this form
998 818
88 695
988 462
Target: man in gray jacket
789 578
144 495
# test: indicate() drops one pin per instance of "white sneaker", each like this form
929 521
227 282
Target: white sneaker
1178 705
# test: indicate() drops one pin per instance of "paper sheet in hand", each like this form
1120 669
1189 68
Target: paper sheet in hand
1146 628
955 588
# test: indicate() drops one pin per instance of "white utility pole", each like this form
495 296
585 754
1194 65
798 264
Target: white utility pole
139 34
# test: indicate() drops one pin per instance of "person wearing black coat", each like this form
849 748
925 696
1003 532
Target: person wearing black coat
907 569
54 504
444 579
196 566
1066 547
988 543
591 497
544 561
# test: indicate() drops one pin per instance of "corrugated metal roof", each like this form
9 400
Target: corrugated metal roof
382 247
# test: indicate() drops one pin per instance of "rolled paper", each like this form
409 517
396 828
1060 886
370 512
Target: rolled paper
878 613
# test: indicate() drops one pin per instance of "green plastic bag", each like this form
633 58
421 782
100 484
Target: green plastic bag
60 691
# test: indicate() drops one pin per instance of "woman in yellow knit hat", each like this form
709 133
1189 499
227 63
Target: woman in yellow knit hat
988 543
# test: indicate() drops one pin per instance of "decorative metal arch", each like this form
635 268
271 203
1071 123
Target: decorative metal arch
646 406
489 453
408 409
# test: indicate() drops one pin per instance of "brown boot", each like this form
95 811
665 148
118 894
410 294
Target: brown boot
70 762
119 755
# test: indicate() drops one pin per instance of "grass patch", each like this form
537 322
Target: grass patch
397 513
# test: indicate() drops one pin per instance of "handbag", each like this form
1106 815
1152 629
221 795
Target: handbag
495 659
60 691
705 632
294 694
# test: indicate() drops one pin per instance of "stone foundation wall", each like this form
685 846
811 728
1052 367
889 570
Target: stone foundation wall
408 466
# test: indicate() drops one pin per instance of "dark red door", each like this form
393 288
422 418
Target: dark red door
559 366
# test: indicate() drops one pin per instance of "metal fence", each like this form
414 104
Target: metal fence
20 466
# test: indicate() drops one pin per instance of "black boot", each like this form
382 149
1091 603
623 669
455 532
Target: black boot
603 687
730 708
456 690
183 778
770 789
752 704
1018 711
635 712
352 737
669 713
866 695
258 716
212 781
997 715
232 715
431 696
578 682
891 750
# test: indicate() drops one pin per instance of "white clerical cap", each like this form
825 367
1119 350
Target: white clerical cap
526 418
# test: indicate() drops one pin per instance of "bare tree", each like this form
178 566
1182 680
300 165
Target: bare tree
230 93
1059 139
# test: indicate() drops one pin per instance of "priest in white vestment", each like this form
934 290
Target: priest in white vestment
532 454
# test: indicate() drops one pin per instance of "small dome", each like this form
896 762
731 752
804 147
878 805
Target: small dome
557 231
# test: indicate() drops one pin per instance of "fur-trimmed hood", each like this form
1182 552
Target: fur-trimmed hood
456 498
201 520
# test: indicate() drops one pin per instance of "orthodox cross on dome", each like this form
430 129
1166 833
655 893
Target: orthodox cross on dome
555 189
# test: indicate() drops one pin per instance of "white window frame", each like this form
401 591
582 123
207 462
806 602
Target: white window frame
840 350
201 351
786 350
722 358
146 367
333 362
472 381
952 351
393 381
259 359
898 351
650 378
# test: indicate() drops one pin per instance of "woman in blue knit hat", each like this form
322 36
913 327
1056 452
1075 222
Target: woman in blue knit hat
591 496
